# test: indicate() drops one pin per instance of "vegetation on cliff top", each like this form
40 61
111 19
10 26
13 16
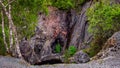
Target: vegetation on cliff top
104 20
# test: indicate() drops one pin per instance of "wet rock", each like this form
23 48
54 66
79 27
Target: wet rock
80 57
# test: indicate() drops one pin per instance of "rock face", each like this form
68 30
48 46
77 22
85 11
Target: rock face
59 27
108 57
79 35
51 30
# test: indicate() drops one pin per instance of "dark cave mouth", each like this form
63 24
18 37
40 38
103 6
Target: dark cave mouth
52 61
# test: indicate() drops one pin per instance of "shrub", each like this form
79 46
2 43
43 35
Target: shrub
72 50
93 50
69 53
58 48
63 4
25 15
67 4
104 20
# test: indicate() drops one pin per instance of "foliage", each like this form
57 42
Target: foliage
103 22
67 4
25 16
103 17
66 56
2 47
44 5
58 48
69 52
93 49
6 29
64 4
72 50
26 13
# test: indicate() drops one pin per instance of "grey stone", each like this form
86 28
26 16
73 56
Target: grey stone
79 34
9 62
80 57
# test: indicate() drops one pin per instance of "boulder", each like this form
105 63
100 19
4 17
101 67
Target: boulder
80 57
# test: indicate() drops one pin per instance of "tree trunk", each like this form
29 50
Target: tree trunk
12 30
3 32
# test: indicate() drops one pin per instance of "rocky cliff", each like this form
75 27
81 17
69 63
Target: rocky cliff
107 58
67 28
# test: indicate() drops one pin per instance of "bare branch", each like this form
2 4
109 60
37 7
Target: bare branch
12 28
4 8
9 3
10 25
14 31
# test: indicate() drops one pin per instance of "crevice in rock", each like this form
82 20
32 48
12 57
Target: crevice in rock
53 61
71 21
55 43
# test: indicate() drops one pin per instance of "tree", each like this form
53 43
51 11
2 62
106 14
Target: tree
12 28
3 32
104 20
